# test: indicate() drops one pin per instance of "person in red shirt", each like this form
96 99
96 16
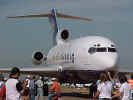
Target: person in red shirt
130 81
3 93
55 88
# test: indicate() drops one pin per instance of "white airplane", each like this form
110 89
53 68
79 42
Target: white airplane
76 58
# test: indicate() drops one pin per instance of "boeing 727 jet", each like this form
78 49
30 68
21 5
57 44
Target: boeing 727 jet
77 58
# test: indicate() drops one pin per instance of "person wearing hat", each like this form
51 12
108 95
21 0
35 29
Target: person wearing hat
55 88
5 79
13 86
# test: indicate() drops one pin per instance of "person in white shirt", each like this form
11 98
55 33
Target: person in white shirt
39 84
104 88
28 80
124 91
13 86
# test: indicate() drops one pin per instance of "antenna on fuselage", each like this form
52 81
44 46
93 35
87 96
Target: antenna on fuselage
52 19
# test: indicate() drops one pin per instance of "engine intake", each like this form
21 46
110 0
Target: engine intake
65 34
62 36
38 57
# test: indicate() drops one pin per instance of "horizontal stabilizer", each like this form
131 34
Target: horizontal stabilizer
52 19
30 16
72 17
59 15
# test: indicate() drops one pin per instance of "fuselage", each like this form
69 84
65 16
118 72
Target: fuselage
86 53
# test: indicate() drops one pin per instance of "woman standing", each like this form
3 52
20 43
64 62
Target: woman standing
124 91
104 88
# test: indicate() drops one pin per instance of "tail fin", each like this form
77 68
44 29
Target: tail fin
54 26
52 19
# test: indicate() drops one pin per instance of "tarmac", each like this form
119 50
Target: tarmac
73 94
72 98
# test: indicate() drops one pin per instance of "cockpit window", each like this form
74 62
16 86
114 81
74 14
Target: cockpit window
92 50
111 50
102 49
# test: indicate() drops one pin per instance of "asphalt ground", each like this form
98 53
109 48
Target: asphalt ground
73 98
70 98
73 94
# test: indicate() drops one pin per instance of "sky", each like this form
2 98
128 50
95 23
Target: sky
20 37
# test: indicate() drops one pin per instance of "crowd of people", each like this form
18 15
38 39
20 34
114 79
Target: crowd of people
34 88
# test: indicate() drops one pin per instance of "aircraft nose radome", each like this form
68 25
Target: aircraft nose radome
110 62
107 61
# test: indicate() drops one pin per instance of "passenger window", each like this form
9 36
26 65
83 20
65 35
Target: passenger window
92 50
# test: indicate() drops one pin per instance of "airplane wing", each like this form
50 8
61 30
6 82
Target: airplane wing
46 70
64 72
51 69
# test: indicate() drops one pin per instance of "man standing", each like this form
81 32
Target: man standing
39 84
13 86
32 88
55 88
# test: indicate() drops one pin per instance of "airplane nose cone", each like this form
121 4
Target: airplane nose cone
110 62
107 61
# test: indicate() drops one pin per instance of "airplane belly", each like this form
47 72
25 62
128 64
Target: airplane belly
79 76
80 66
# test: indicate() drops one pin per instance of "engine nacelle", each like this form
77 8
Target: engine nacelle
38 57
62 35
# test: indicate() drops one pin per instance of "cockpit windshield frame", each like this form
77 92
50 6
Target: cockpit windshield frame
93 50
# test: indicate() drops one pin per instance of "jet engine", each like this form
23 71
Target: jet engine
38 57
63 35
